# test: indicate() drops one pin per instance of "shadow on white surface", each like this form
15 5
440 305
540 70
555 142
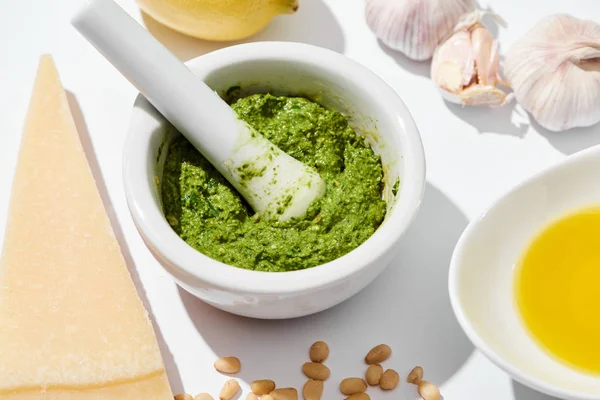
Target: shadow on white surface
492 119
571 141
420 68
313 23
407 307
522 392
88 148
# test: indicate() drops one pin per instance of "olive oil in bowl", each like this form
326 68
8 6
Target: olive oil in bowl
557 288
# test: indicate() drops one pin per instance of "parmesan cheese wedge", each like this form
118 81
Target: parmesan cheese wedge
72 326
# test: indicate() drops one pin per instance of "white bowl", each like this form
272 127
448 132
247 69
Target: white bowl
283 68
482 272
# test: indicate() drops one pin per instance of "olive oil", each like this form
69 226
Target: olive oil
557 287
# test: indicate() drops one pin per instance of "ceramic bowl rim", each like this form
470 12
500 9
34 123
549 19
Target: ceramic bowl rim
181 256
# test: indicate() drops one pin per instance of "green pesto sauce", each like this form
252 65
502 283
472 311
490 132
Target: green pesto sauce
210 215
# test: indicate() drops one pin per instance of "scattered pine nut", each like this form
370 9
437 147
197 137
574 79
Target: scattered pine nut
284 394
415 376
262 386
319 351
389 380
353 385
378 354
312 390
358 396
228 365
229 390
429 391
316 371
373 374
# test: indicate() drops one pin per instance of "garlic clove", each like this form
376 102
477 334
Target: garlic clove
415 27
479 95
466 65
555 72
484 95
450 77
453 64
486 55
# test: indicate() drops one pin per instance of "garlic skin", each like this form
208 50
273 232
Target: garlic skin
415 27
466 64
555 72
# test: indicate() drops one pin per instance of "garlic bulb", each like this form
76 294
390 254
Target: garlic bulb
415 27
466 65
555 72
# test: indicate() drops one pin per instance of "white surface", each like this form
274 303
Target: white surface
482 273
473 157
283 68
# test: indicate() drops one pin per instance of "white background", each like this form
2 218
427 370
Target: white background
473 156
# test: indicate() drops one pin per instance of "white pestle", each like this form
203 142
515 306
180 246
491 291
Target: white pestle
276 185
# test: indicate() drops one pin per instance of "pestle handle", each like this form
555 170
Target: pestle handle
183 99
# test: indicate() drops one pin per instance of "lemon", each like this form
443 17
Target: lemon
219 20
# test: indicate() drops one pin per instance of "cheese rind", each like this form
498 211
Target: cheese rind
153 387
70 317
